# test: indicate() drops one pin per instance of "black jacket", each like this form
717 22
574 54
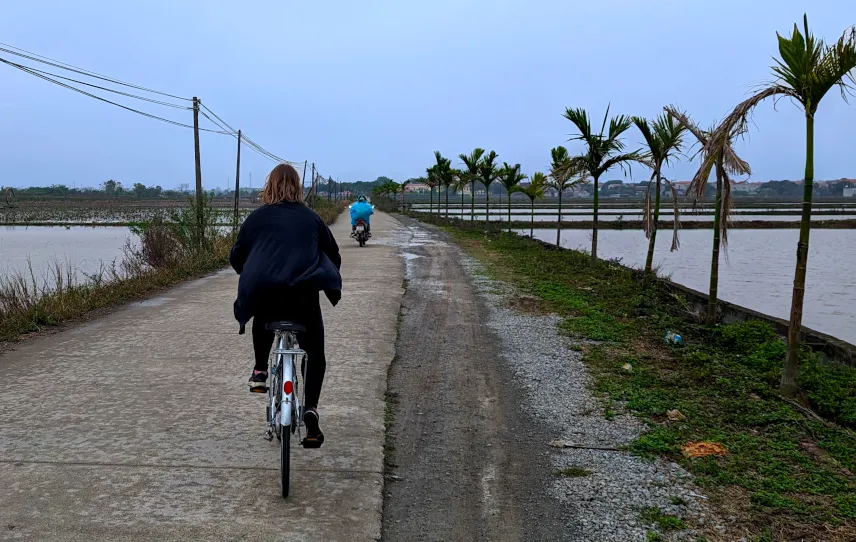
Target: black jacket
283 248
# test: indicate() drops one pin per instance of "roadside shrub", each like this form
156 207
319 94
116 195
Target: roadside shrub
159 247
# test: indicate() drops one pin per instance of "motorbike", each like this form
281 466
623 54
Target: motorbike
361 232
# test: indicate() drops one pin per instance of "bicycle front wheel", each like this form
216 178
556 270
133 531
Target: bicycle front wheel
284 459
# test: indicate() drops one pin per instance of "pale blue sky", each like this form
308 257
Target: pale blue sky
373 88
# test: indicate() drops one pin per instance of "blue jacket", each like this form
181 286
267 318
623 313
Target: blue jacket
361 210
282 251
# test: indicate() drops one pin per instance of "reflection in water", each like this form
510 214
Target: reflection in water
86 250
756 272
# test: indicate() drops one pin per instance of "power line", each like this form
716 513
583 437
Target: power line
159 102
215 116
62 65
75 89
255 147
225 128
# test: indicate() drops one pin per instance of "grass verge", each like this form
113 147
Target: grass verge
784 474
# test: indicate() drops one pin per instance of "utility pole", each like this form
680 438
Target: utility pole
312 186
200 216
303 178
237 183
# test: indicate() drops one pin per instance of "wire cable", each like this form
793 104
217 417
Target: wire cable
159 102
75 89
222 124
62 65
225 127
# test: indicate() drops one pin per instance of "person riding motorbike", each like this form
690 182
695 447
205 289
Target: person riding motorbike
285 255
361 210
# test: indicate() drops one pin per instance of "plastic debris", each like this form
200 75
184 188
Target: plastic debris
703 449
673 338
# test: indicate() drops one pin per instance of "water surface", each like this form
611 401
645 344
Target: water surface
84 249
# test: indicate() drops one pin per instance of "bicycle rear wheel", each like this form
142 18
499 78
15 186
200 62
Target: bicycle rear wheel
284 459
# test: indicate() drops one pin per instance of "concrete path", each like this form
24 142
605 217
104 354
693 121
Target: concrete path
139 426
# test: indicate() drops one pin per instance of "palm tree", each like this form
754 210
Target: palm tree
472 163
462 178
534 191
664 137
488 172
727 163
510 177
403 188
443 171
603 151
807 71
432 181
561 178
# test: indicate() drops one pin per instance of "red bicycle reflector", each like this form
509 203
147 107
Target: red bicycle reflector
288 387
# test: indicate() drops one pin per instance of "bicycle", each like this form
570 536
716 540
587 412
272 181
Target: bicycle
284 409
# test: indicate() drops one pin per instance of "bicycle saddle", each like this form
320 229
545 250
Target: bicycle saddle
285 326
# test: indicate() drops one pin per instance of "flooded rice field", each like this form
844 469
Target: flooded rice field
85 250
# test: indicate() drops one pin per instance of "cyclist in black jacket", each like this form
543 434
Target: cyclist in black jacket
285 255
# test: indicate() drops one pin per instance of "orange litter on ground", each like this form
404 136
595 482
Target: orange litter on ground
703 449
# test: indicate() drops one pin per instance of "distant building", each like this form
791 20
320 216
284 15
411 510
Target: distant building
417 188
681 187
745 188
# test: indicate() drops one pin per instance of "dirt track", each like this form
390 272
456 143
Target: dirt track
467 464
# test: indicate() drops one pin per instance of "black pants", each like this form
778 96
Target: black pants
299 309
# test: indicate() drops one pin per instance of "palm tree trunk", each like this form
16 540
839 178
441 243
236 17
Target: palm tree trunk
714 260
532 223
788 385
594 226
486 203
509 215
472 201
431 205
652 241
559 229
447 202
462 204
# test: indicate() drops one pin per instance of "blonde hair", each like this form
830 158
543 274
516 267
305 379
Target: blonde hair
283 185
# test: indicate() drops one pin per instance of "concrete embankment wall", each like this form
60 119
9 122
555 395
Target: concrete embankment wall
831 348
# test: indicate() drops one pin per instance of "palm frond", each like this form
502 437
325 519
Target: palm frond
488 170
650 140
617 126
472 161
682 118
536 187
510 176
580 119
625 161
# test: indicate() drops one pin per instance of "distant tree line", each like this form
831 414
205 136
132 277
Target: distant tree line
112 189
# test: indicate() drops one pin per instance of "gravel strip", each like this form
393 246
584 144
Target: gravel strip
606 503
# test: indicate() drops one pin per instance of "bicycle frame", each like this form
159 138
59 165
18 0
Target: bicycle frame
284 393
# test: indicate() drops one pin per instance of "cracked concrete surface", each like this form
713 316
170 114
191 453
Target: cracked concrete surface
141 426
